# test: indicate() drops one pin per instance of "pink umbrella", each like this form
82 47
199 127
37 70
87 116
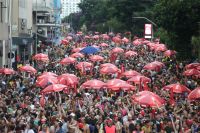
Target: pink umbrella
117 50
77 55
96 37
125 40
109 70
138 79
7 71
95 58
75 50
160 48
112 82
131 73
148 98
42 82
28 69
192 65
68 79
69 38
195 94
130 53
169 53
64 42
155 66
41 57
136 42
191 72
83 65
95 84
46 75
177 88
105 37
68 60
116 40
108 65
54 88
124 86
103 45
87 37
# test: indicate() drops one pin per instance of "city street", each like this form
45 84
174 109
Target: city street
88 66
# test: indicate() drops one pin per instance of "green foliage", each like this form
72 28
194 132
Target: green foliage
196 45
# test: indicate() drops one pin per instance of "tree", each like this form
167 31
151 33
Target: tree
179 18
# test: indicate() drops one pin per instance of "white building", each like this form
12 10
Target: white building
69 6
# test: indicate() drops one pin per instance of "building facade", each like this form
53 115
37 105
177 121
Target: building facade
4 32
69 6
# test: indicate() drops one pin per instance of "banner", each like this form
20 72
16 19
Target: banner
147 30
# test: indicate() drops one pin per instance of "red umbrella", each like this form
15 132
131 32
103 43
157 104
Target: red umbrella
116 40
139 79
177 88
105 37
75 50
68 60
7 71
148 98
131 73
41 57
103 45
83 65
54 88
95 58
155 66
28 69
112 82
77 55
195 94
64 42
169 53
107 65
96 84
192 65
69 38
117 50
46 75
42 82
121 85
125 40
160 49
109 70
136 42
96 37
68 79
130 53
191 72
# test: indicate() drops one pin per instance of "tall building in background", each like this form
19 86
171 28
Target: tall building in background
69 6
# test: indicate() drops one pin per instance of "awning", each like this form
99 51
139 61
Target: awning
22 40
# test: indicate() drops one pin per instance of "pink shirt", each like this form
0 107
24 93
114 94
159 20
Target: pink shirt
110 129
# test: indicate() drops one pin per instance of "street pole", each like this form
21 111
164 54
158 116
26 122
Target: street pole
10 31
36 39
150 22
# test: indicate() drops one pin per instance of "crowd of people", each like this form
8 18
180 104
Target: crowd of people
24 110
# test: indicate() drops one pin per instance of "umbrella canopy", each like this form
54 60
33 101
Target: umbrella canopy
108 65
109 70
7 71
90 50
105 37
195 94
148 98
68 60
116 39
112 82
77 55
169 53
130 53
130 74
54 88
64 42
122 85
155 66
125 40
117 50
68 79
95 84
160 49
192 65
83 65
103 45
43 82
41 57
69 38
95 37
177 88
138 79
28 69
137 42
46 75
95 58
76 50
191 72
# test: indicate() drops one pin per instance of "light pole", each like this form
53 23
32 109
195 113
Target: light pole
10 29
36 39
148 21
